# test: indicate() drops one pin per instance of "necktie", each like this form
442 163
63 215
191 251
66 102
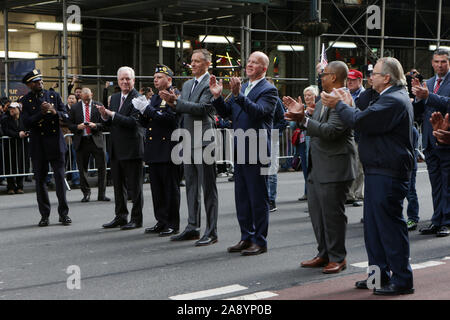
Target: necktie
87 118
322 111
193 87
247 90
121 102
438 84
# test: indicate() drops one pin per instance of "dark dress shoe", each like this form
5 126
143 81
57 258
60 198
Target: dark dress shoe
157 228
253 250
443 232
186 235
431 229
335 267
44 222
103 199
65 220
168 232
131 225
205 241
357 204
117 222
363 284
242 245
392 290
316 262
86 197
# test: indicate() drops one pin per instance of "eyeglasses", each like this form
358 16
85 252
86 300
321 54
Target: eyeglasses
325 73
380 73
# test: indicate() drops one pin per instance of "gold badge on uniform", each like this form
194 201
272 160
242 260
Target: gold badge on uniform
163 104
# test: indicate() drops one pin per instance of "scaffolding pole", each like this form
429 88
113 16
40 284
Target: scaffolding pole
5 18
160 33
439 24
65 53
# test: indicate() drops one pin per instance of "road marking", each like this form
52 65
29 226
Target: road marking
415 266
364 264
209 293
255 296
426 264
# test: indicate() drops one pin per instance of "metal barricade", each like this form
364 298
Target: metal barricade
16 162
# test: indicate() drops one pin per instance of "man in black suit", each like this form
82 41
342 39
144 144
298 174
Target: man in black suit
126 151
160 122
86 125
42 111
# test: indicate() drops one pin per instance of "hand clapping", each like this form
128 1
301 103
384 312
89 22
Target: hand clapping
296 109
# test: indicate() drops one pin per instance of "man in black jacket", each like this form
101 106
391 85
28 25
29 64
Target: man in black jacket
126 151
160 121
386 152
85 122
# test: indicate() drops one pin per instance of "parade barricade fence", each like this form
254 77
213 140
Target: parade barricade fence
15 160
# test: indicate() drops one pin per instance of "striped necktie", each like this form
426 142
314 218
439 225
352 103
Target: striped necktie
121 102
87 118
438 84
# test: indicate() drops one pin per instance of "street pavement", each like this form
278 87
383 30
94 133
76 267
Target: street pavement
43 263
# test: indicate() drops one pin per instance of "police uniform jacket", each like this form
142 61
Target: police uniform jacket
46 138
160 121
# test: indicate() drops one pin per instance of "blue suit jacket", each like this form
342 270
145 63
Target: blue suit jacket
385 130
439 101
254 111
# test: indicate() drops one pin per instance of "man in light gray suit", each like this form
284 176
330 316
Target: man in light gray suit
194 106
331 173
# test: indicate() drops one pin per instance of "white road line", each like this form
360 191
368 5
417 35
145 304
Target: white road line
255 296
209 293
415 266
426 264
364 264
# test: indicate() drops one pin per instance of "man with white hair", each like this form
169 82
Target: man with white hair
86 125
386 152
126 151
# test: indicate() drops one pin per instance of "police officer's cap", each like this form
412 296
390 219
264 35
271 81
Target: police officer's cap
160 68
34 75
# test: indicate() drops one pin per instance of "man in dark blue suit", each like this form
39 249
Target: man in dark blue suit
42 111
386 152
433 96
252 107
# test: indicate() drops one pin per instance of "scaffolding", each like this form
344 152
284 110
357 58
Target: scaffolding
213 9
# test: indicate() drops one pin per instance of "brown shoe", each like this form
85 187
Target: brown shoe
253 250
317 262
335 267
242 245
19 191
10 192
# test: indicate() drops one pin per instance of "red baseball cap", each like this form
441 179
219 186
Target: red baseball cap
354 74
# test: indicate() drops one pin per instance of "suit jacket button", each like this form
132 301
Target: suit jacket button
150 138
149 129
164 138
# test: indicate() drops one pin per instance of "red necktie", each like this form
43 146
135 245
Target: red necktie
87 118
438 84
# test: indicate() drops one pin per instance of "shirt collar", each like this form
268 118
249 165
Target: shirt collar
199 79
385 90
255 82
443 78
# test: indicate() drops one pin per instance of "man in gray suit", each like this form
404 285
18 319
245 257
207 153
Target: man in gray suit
194 106
330 175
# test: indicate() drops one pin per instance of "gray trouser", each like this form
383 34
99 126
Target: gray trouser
326 204
198 177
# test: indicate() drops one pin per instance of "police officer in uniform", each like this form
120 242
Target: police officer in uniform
42 111
160 121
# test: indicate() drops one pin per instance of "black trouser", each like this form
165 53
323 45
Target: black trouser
165 185
127 177
40 168
85 150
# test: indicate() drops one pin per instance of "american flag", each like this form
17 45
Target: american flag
323 58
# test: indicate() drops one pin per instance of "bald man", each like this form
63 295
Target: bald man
330 172
85 123
252 107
